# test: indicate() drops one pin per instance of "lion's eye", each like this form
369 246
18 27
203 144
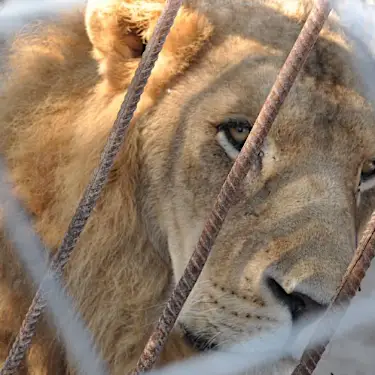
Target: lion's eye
368 169
232 135
367 180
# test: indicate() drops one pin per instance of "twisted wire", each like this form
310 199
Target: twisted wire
248 156
349 286
94 188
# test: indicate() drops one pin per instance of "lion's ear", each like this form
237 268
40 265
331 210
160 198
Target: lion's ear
120 29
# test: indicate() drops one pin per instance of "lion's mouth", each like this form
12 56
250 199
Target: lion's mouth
199 343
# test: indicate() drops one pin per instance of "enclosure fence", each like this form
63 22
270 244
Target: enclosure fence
244 164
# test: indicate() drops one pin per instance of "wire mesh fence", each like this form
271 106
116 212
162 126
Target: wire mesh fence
257 351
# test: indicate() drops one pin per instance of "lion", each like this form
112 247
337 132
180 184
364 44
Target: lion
291 233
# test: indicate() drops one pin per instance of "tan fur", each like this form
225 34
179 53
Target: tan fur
295 222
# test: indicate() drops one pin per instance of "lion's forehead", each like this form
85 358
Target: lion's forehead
236 76
242 30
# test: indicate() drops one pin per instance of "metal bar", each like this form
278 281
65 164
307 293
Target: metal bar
94 188
227 195
350 284
78 341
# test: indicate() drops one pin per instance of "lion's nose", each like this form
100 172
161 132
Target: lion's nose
299 304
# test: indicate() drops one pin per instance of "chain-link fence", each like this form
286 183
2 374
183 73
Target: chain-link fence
359 21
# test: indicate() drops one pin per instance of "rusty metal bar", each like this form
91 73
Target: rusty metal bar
75 336
227 195
94 188
349 286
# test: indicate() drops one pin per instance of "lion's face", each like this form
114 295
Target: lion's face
289 238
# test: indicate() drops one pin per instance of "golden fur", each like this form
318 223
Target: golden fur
295 222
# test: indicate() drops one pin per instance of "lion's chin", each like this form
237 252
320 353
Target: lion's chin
177 349
199 343
183 345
